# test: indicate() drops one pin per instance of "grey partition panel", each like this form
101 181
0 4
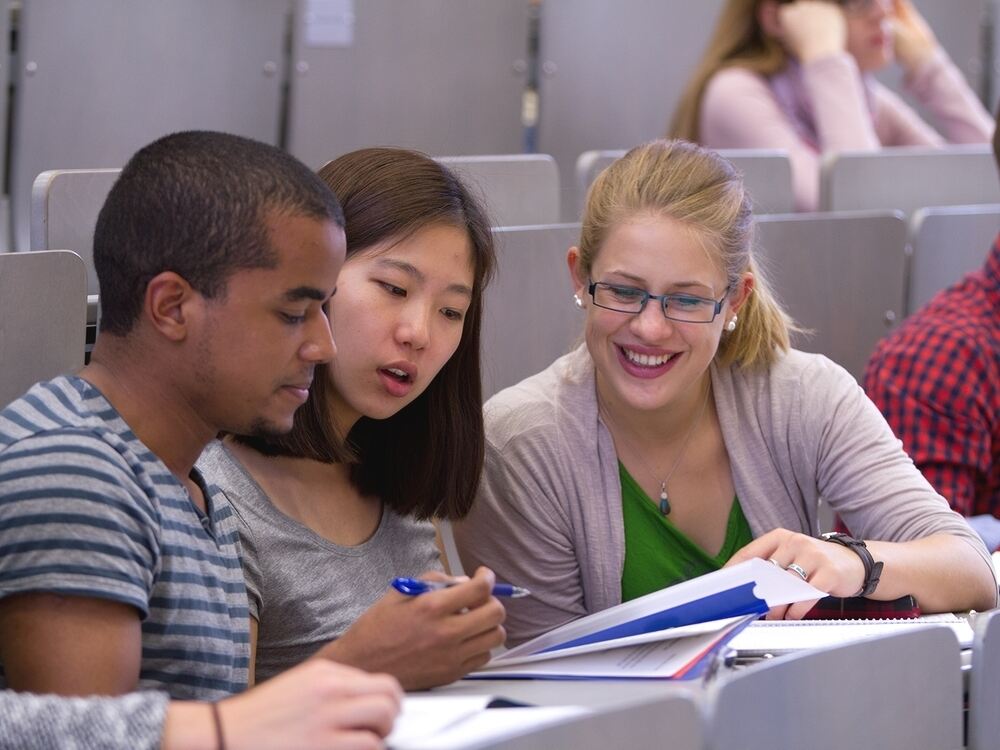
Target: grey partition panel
529 318
945 244
767 174
42 318
841 275
519 189
908 178
984 686
442 76
64 208
897 692
97 79
612 73
648 724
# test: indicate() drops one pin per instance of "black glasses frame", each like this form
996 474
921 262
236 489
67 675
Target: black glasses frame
663 299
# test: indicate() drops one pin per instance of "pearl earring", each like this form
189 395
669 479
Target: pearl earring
731 325
578 301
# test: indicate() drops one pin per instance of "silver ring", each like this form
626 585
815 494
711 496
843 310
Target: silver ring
798 569
773 561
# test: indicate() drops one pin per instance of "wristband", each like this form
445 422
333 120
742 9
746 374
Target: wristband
873 570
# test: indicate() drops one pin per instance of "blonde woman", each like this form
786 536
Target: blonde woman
685 434
798 76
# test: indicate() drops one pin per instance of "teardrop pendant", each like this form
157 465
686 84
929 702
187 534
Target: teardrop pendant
664 500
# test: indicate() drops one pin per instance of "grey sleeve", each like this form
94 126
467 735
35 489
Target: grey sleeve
44 722
517 529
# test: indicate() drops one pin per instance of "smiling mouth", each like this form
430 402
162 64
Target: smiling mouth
646 360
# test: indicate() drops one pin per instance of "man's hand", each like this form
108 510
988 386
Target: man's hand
426 640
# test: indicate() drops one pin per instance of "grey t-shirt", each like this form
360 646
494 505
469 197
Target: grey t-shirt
304 589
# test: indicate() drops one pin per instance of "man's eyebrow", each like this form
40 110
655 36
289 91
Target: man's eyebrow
411 270
305 292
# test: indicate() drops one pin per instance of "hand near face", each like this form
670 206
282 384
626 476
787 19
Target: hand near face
811 29
913 38
426 640
829 567
317 704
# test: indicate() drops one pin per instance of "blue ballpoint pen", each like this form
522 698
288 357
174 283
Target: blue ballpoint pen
415 586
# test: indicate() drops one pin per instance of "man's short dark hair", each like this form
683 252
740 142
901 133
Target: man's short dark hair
197 203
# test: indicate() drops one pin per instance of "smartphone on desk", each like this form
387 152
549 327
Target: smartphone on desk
859 608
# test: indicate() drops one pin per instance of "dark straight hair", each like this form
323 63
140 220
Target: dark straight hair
426 459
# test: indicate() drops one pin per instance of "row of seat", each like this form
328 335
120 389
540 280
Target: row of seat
898 692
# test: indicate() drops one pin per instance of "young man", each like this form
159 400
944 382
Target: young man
216 257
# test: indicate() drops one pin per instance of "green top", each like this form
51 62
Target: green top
657 553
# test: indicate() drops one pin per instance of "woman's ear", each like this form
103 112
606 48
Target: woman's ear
768 18
741 292
580 281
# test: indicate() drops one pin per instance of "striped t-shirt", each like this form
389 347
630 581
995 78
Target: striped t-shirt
87 509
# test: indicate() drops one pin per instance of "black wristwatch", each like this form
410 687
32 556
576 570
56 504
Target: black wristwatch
873 570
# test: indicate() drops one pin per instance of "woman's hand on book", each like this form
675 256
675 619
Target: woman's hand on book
829 567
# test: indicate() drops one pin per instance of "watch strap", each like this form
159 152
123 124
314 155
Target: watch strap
873 569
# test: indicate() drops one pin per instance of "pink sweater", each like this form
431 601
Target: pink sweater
827 105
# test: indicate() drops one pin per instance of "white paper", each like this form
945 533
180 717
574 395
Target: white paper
787 636
425 716
491 724
329 23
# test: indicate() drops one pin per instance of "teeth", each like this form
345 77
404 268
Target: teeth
397 373
645 360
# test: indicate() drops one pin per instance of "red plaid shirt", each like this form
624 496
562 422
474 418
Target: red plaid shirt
937 381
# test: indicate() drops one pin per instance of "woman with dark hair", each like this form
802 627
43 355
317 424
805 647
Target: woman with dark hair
391 437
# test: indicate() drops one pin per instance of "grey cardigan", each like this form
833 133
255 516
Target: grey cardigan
549 511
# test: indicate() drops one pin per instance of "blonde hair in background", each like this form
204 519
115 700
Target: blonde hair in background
738 39
703 191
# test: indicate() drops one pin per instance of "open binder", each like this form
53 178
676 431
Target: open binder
669 634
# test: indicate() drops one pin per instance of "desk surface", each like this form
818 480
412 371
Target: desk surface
592 693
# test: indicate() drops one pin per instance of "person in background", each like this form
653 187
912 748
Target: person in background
217 257
317 706
798 76
391 437
936 379
685 434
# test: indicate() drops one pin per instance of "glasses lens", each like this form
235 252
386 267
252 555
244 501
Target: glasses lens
689 308
622 298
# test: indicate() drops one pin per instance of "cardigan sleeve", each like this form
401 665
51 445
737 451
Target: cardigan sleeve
861 469
130 722
518 529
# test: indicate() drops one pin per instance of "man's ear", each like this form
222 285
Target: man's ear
169 304
768 19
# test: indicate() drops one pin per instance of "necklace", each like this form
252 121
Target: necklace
664 498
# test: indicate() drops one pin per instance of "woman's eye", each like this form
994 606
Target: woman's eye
398 291
626 293
456 315
293 319
689 302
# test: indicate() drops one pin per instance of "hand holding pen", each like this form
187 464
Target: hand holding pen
417 586
426 640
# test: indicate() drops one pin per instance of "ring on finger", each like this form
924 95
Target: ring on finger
799 570
774 562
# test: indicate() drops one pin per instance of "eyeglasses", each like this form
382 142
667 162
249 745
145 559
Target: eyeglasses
686 308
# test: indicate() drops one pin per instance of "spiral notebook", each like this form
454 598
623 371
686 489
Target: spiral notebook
777 637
